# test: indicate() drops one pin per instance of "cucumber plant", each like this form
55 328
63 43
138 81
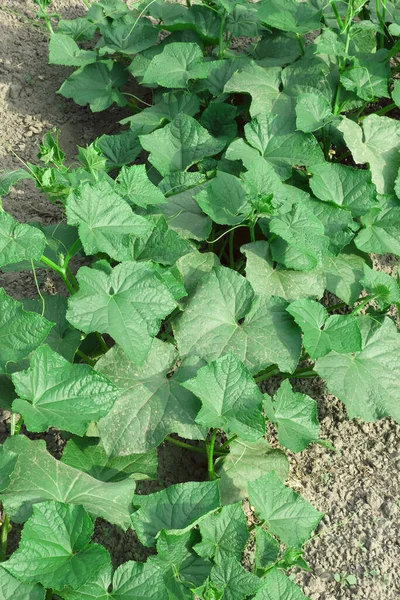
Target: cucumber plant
225 237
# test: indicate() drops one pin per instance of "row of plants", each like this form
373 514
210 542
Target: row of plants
248 187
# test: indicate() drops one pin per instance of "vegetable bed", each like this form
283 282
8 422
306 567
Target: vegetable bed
224 240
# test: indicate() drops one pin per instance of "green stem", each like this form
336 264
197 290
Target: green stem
300 43
228 442
86 3
336 306
342 64
5 528
49 595
197 449
210 452
16 425
60 270
252 232
270 372
337 15
343 156
231 247
381 18
86 358
221 50
301 375
364 303
73 279
383 111
102 342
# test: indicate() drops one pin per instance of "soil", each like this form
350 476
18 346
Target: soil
357 486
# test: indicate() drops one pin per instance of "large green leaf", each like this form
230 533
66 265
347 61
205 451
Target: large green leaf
54 392
368 75
128 35
367 381
37 476
230 398
106 223
278 586
128 302
63 50
276 139
179 145
377 143
223 534
287 515
349 188
296 417
224 314
55 549
9 178
120 149
381 232
323 333
382 286
161 244
262 84
88 455
343 274
230 578
294 15
20 331
97 85
276 49
177 508
273 280
175 65
224 200
18 241
246 462
10 587
136 187
151 405
313 111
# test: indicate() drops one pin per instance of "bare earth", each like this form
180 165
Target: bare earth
357 486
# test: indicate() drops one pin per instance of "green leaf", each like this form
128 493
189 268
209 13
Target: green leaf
7 393
219 120
55 549
271 280
136 187
63 50
54 392
323 333
276 139
236 583
262 84
230 399
13 320
276 49
175 65
165 110
192 267
128 35
161 244
223 534
381 232
177 508
151 404
179 145
199 19
129 303
382 286
97 85
257 329
377 143
10 587
246 462
302 243
371 374
106 223
243 21
343 273
88 455
9 178
287 515
294 15
344 186
183 213
37 477
368 75
224 200
80 29
119 150
18 241
219 73
313 111
130 580
278 586
92 158
63 338
267 549
296 418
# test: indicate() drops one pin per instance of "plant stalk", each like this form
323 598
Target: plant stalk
270 372
60 270
364 303
197 449
337 15
299 39
5 528
210 452
86 358
221 49
228 442
102 342
252 233
49 594
231 246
